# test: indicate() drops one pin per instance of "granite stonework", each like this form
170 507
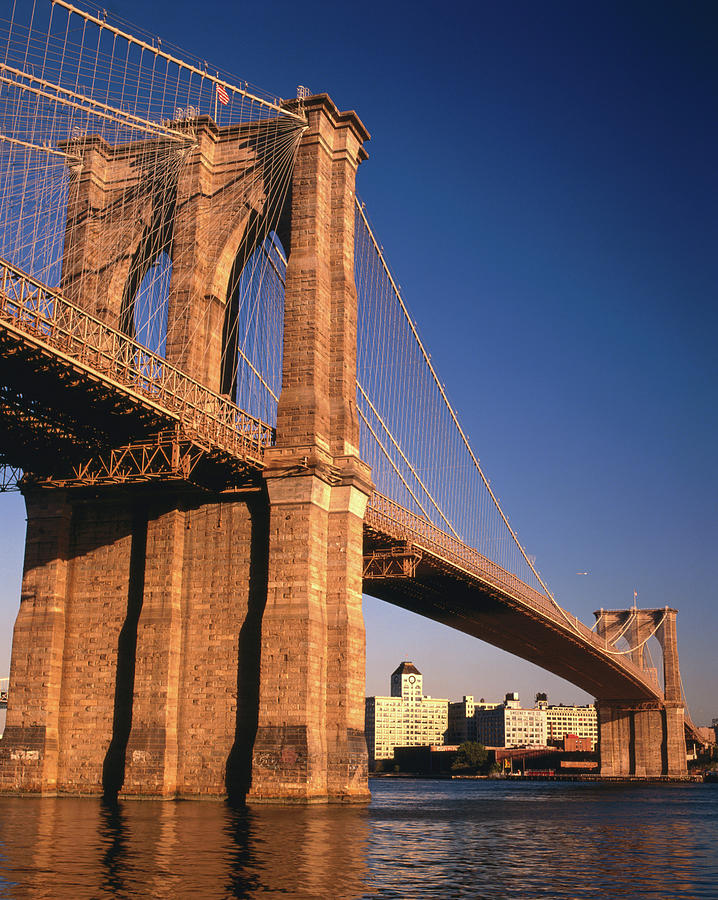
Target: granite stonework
309 744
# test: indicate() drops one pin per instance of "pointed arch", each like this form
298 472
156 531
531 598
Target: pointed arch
147 279
146 318
254 323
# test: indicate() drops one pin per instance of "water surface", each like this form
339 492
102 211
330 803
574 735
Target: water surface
417 839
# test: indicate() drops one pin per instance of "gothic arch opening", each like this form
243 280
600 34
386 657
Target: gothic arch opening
145 304
254 327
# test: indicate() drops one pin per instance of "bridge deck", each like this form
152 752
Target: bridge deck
41 330
456 585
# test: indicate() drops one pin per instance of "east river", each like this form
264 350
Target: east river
483 839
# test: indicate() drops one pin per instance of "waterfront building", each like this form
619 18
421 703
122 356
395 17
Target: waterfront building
581 721
406 718
462 718
509 725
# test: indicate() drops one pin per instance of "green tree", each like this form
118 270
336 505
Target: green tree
471 757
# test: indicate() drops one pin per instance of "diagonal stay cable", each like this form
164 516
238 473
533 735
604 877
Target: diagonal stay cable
175 61
392 463
406 460
360 208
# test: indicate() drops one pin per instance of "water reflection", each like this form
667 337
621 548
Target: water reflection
112 824
416 839
85 849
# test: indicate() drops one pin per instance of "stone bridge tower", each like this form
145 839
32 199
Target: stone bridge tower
643 738
172 642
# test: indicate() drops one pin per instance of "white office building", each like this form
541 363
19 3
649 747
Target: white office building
406 718
508 725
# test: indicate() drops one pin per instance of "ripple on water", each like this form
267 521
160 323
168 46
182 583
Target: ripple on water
417 839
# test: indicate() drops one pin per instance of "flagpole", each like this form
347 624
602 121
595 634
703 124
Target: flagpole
215 105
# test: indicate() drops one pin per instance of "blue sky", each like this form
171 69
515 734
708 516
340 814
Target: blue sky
543 179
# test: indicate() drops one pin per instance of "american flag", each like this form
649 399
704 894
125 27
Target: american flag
222 95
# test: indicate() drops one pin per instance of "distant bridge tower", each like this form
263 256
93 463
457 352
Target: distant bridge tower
643 738
178 642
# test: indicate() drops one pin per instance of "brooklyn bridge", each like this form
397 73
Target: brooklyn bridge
226 428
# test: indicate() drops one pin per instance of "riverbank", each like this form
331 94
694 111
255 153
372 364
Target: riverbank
698 778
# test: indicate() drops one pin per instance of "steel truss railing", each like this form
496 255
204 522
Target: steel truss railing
9 477
164 456
46 319
390 519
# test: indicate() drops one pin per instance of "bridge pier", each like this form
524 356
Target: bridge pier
152 748
675 739
614 735
310 739
645 740
631 739
136 648
649 757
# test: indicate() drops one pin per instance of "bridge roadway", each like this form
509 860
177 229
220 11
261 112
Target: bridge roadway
454 584
78 363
